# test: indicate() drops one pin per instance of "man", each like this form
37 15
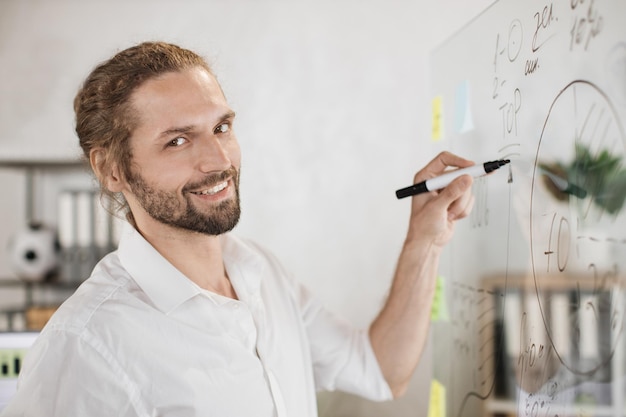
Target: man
185 319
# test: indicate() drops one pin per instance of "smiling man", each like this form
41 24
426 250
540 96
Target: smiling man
187 319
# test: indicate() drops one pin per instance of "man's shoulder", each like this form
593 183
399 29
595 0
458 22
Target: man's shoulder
106 293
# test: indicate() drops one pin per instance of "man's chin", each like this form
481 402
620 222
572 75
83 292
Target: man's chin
214 225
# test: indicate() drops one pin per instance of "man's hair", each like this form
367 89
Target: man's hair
105 118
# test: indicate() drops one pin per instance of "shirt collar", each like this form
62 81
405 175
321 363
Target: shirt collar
167 287
244 265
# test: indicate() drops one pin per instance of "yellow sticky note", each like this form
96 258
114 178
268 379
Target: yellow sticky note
437 125
437 406
439 309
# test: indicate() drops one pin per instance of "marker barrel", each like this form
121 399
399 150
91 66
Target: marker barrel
443 180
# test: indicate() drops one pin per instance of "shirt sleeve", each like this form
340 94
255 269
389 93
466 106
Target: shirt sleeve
343 358
72 377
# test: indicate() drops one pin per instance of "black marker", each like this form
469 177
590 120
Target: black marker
442 181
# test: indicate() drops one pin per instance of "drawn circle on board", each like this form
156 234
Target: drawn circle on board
572 234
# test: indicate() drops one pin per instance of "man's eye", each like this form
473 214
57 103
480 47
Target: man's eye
177 141
223 128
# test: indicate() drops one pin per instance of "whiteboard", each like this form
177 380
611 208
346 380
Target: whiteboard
534 278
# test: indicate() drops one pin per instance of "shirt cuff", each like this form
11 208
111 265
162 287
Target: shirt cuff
362 374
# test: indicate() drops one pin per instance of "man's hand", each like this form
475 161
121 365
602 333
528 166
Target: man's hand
433 214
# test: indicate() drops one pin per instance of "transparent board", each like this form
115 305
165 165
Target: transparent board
535 277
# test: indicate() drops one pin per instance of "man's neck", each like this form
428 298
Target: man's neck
198 256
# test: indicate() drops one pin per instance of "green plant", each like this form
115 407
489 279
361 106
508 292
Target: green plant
599 176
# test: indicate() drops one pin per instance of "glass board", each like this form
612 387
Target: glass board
534 279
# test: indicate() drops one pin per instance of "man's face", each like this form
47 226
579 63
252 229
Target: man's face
185 156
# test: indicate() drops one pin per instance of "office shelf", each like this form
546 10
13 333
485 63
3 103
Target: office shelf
28 305
557 389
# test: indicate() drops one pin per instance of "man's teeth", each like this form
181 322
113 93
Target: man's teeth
219 187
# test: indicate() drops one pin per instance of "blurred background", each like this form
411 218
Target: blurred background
333 115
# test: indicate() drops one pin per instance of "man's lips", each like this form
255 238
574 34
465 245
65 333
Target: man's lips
212 190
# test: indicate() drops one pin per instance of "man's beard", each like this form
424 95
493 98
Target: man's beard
166 207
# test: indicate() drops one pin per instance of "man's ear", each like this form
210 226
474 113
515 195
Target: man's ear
107 172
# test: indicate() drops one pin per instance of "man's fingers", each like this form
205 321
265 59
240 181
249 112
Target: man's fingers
438 165
457 198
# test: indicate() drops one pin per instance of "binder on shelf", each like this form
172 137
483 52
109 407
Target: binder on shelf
66 229
560 323
87 232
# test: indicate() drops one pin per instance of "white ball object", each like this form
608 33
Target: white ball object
33 253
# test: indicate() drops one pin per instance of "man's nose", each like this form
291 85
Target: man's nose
213 155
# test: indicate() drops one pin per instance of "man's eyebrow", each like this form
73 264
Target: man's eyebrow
228 115
186 129
176 131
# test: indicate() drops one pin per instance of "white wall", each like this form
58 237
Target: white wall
333 116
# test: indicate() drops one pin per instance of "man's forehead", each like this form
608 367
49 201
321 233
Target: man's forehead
178 90
188 97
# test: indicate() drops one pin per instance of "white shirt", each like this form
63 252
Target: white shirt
138 338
